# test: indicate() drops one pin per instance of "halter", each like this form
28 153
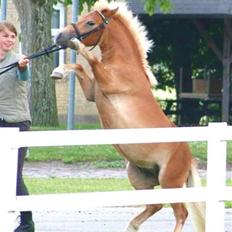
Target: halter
96 29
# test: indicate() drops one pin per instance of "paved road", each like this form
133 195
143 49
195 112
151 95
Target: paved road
103 219
110 220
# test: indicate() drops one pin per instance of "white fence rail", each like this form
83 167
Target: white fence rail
214 194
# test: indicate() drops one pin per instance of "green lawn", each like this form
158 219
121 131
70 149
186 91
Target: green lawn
100 155
75 185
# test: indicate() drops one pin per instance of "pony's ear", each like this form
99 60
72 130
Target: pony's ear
109 13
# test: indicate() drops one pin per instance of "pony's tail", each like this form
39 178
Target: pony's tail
196 209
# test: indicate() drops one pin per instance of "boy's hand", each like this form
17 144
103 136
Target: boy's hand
23 61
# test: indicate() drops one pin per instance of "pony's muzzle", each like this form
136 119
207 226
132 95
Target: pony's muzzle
60 39
63 40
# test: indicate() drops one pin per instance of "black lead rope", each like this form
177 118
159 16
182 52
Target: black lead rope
46 51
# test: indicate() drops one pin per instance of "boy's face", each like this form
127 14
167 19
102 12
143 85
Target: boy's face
7 40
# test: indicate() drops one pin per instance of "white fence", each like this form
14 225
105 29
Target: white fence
214 194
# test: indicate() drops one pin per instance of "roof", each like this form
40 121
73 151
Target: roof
213 8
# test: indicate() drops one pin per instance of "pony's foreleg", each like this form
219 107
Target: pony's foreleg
86 83
142 217
101 73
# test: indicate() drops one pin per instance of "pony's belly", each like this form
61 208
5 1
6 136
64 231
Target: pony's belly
146 155
122 111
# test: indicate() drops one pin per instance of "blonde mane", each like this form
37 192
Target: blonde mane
137 29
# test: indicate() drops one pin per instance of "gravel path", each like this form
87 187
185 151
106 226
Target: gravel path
59 169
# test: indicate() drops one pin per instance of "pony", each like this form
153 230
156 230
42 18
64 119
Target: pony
121 89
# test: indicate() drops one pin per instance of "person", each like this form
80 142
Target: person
14 105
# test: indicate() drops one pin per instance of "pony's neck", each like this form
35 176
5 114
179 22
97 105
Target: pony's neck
119 41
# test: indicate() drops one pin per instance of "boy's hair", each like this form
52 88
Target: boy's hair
9 26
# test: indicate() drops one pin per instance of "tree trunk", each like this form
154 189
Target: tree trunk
35 20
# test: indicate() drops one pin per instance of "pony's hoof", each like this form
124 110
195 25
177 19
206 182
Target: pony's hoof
56 75
131 228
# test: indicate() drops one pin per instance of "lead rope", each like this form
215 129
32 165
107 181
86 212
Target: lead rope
46 51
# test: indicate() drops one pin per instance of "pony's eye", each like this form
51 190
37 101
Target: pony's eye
90 23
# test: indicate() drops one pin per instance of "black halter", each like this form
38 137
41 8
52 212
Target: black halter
82 36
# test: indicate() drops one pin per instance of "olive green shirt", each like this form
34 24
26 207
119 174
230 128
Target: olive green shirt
14 84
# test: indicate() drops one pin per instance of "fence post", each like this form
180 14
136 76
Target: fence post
8 175
216 177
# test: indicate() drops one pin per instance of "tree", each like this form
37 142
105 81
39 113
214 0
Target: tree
151 5
35 20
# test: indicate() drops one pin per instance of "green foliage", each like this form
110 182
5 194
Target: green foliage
150 5
161 70
164 5
89 3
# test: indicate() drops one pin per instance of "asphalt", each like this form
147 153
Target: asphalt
112 219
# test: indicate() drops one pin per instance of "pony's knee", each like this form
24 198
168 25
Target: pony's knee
81 49
74 43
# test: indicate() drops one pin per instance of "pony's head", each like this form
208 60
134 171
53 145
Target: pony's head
88 29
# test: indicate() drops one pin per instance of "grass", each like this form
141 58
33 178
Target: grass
76 185
72 154
101 155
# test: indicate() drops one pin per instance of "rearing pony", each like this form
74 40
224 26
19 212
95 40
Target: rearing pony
121 89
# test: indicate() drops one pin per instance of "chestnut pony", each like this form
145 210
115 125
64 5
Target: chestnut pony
121 88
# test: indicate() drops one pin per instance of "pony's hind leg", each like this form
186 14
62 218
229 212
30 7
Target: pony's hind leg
179 210
141 179
181 215
174 175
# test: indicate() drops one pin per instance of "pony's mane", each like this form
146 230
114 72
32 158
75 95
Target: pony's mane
138 31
